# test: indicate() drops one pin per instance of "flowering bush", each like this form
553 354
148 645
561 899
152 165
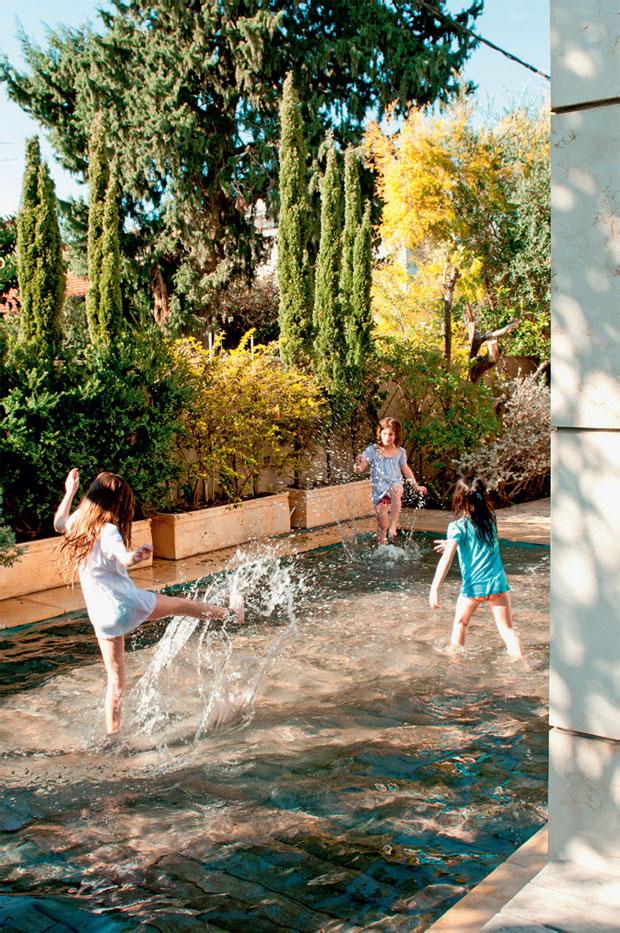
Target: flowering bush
517 463
247 414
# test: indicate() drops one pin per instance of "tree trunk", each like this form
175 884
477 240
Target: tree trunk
161 305
450 278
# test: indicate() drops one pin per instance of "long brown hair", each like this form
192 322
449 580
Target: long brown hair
109 499
396 428
471 500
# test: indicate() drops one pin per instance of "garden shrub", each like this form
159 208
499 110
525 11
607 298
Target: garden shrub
517 463
117 410
443 414
247 414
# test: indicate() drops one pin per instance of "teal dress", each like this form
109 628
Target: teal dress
481 566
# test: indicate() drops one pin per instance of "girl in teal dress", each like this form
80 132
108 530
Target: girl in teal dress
473 535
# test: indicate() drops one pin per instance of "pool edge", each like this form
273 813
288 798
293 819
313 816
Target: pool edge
486 900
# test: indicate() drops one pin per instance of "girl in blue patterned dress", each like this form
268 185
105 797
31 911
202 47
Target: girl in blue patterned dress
474 537
388 464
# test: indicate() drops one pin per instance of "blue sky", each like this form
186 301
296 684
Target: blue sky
519 26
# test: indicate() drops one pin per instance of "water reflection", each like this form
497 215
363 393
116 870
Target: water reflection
330 765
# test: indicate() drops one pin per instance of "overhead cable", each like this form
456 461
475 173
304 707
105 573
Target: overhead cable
491 45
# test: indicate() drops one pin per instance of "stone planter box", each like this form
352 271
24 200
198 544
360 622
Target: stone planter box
187 533
37 569
328 504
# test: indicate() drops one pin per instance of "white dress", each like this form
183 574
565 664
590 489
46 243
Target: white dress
115 604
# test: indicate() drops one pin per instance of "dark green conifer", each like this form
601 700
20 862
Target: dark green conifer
110 305
26 225
41 269
192 92
49 282
359 324
328 340
99 180
295 312
352 221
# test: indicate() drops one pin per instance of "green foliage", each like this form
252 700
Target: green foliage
191 94
8 254
443 415
295 314
40 266
9 549
118 410
103 300
327 317
247 414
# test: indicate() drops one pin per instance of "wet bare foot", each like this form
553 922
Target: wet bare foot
392 531
237 604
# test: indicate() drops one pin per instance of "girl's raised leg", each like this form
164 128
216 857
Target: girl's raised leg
396 496
178 606
465 608
381 511
113 654
501 610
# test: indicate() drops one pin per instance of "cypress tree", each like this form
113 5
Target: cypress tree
41 270
49 282
352 221
328 341
359 329
99 179
295 313
26 225
110 304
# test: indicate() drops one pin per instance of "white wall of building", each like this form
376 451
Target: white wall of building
584 781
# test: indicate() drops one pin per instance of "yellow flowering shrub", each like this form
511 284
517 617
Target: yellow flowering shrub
248 414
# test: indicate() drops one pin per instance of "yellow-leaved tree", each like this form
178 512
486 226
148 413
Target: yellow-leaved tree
450 227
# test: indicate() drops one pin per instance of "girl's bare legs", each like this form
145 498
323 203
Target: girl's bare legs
113 654
381 511
501 610
465 608
178 606
396 496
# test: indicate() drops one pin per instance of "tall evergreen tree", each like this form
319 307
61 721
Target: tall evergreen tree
49 282
295 313
329 340
352 221
98 178
103 300
26 227
41 270
191 94
111 306
359 325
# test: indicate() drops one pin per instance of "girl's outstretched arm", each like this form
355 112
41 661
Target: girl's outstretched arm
360 464
62 512
131 558
440 574
408 474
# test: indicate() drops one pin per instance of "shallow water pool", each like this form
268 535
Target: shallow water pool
331 765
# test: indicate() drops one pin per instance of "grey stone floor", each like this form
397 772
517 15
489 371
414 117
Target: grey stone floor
562 897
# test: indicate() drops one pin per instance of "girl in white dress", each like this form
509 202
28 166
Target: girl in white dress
98 545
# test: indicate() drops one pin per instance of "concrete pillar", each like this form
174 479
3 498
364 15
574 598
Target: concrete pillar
584 778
